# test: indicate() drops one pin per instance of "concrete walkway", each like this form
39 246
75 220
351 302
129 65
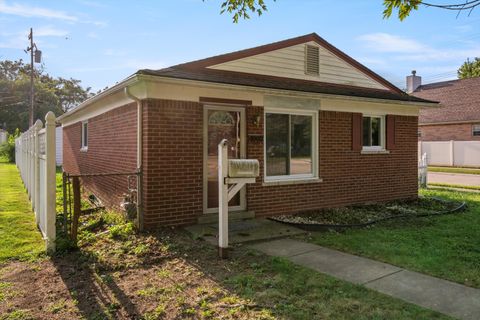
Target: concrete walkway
433 293
454 178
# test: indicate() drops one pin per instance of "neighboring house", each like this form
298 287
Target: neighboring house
3 136
458 118
327 132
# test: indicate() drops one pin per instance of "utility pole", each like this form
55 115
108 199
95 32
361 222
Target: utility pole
38 57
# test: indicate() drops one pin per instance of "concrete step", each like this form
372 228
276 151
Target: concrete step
232 216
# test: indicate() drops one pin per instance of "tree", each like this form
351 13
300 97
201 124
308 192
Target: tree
51 94
469 69
243 8
405 7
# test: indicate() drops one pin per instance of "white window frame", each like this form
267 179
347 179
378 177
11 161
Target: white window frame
292 177
381 147
476 128
84 144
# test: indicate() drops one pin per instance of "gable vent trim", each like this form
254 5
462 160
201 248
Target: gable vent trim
312 60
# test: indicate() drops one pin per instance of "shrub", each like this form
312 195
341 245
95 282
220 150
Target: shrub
7 149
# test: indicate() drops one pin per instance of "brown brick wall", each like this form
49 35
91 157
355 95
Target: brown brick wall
173 162
446 132
111 148
173 167
348 176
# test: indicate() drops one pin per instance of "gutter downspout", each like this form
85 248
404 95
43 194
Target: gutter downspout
139 158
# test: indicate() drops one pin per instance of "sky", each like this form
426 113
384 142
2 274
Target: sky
103 42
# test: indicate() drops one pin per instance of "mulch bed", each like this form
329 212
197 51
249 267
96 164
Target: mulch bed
366 214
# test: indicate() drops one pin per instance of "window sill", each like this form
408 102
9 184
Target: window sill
291 181
383 151
84 149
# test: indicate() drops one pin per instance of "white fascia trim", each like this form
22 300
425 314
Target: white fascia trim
200 83
117 87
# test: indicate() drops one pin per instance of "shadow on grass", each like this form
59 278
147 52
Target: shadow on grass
97 296
166 273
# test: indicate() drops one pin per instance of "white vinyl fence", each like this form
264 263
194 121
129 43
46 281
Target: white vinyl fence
451 153
35 159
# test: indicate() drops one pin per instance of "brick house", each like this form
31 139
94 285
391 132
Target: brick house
326 130
458 118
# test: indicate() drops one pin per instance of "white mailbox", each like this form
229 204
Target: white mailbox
243 168
232 176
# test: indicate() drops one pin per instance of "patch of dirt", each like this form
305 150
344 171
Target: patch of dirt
163 275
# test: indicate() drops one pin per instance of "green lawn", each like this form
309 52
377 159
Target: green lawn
172 275
19 236
454 170
456 186
447 247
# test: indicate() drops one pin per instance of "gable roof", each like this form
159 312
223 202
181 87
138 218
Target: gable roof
263 81
219 59
199 70
460 101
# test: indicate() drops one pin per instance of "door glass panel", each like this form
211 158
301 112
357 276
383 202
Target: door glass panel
221 125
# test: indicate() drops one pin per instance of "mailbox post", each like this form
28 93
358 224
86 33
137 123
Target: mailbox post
237 173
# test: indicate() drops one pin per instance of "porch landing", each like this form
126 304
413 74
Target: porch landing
247 230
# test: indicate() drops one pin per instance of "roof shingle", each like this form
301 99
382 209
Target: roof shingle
460 101
262 81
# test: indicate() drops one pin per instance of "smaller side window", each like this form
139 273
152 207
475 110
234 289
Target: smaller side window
419 134
85 135
476 130
373 132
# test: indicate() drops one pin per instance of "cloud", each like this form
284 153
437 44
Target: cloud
31 11
93 35
49 31
384 42
13 43
464 28
406 49
93 4
114 53
95 23
130 65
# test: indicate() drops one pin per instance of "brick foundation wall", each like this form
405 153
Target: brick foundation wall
111 148
446 132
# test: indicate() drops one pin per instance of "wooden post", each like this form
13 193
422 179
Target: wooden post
50 181
222 200
64 199
76 208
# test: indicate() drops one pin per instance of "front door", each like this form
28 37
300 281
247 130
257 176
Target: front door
222 122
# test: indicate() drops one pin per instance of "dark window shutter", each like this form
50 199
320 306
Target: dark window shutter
390 119
357 121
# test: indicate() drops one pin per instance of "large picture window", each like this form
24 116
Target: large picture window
373 132
289 145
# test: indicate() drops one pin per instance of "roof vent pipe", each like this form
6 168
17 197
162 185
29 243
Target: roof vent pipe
413 82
